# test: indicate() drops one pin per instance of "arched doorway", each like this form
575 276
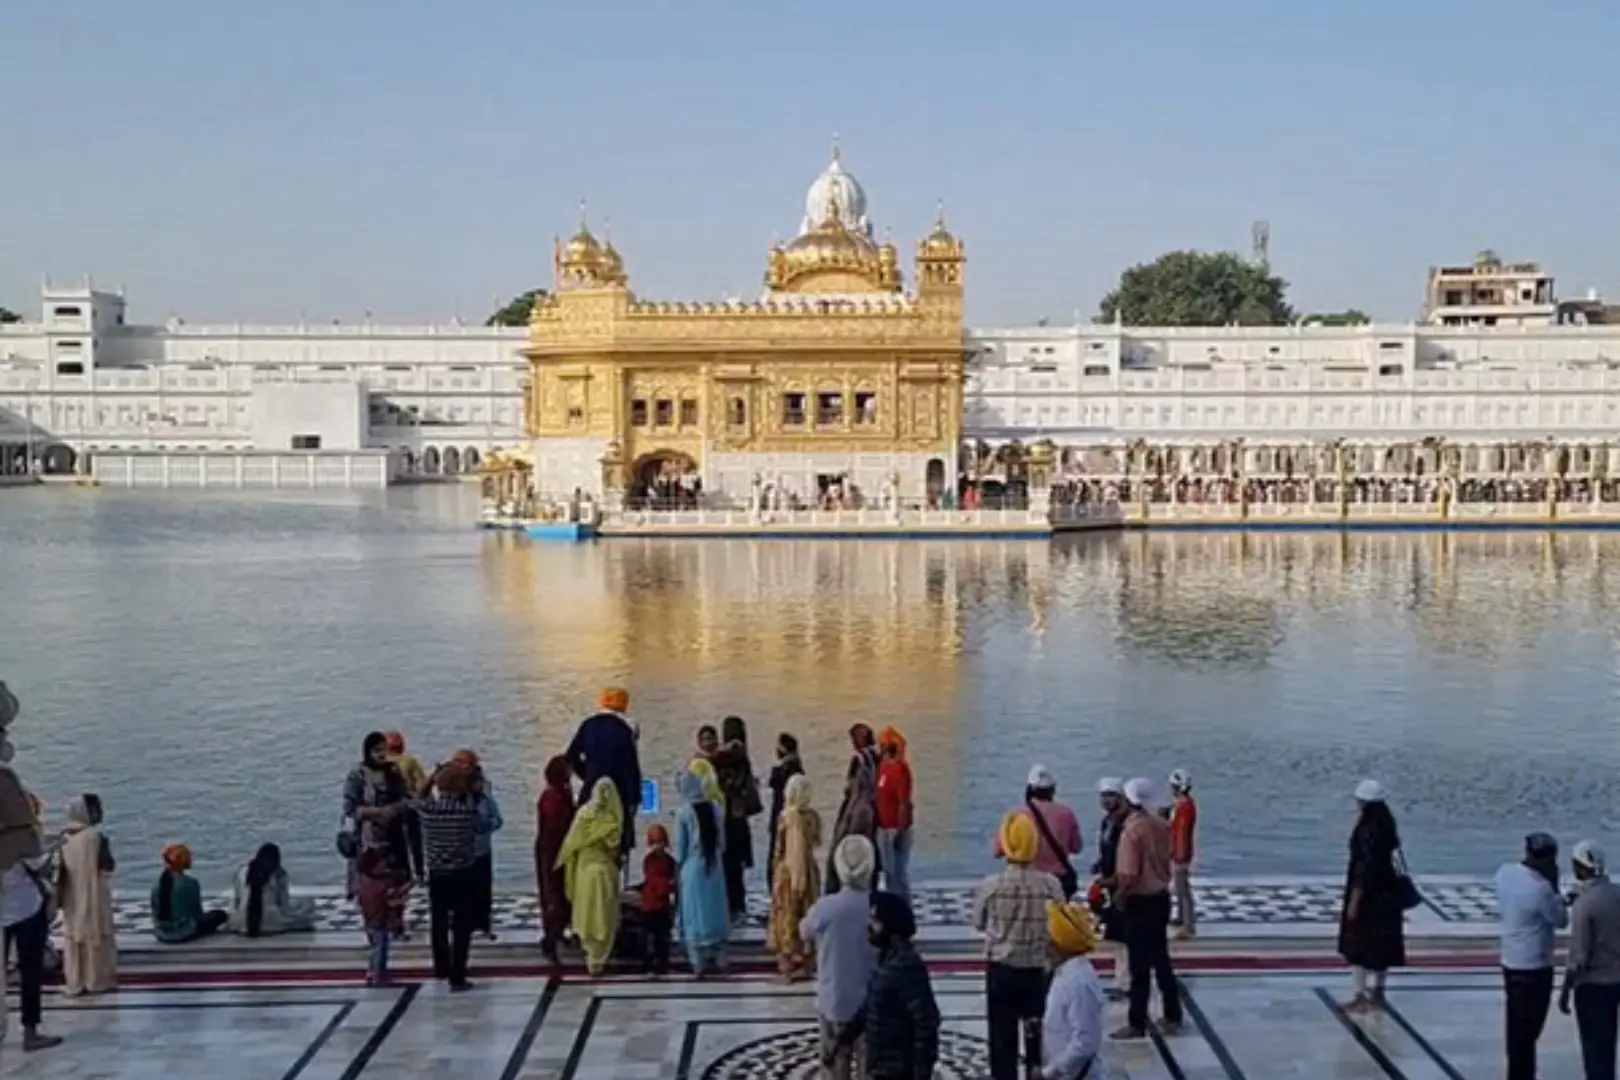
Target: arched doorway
665 478
934 480
452 461
407 460
430 461
470 459
59 460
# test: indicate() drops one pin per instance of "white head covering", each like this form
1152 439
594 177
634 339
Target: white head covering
1110 785
1369 791
1041 777
1180 780
854 859
1139 792
1589 855
9 706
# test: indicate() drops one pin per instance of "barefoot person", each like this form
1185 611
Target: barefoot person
590 862
84 887
837 926
700 845
554 815
1372 934
1072 1025
1142 882
796 879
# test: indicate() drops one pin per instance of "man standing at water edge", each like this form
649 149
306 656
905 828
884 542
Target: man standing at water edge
1593 976
1142 882
605 746
1531 911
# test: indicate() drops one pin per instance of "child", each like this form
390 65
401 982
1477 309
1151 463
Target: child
381 893
658 871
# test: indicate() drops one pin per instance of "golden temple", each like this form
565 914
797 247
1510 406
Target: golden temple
837 375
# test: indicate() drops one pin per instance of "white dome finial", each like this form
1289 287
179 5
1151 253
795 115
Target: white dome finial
835 151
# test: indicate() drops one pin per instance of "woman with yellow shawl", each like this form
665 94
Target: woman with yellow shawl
589 857
795 878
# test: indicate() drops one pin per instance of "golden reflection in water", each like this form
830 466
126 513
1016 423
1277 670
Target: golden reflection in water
808 637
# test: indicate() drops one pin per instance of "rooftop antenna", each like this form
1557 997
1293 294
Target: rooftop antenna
1260 235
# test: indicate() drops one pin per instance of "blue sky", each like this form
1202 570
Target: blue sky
415 159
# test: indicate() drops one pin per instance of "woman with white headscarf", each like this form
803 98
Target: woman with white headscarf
84 890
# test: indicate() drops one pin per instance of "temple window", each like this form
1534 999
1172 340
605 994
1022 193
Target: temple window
738 415
793 410
663 412
638 412
829 409
689 413
576 414
866 408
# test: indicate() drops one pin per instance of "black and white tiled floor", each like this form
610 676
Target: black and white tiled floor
950 906
1242 1024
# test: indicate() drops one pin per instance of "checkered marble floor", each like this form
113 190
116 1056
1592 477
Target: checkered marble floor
948 906
1437 1025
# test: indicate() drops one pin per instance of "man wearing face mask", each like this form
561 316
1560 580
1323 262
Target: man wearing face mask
1531 912
901 1019
1593 976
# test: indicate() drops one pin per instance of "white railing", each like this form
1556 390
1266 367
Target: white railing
904 518
1370 511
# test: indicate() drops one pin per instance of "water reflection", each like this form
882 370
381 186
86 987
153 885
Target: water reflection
210 665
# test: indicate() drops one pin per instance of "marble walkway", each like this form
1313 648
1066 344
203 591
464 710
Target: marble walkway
1440 1026
1265 905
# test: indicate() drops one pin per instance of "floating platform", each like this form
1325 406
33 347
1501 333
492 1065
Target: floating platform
572 531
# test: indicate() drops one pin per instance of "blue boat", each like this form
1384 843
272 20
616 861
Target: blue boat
572 531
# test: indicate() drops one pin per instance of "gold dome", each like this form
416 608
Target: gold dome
832 257
582 248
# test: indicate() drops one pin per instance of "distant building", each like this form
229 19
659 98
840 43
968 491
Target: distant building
1489 292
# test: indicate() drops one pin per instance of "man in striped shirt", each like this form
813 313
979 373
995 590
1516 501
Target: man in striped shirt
450 824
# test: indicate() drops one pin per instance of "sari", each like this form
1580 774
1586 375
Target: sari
795 879
589 857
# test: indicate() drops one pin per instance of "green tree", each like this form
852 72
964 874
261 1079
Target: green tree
515 312
1198 288
1347 317
7 315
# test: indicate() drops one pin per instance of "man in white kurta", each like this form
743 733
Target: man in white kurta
1072 1027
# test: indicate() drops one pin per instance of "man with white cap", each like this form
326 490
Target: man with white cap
837 924
1056 827
1531 913
1111 794
1593 975
1142 883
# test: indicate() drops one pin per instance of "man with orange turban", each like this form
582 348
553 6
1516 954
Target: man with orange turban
894 812
605 746
1010 911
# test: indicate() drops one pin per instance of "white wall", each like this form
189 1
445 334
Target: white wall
332 412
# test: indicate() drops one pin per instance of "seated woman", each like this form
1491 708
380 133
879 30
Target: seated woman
177 911
263 902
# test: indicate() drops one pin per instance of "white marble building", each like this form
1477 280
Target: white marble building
1110 386
81 378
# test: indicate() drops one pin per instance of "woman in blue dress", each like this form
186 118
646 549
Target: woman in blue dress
699 847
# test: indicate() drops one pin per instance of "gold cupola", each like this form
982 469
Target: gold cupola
940 256
586 262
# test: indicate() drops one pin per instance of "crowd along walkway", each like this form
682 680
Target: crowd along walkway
1441 1025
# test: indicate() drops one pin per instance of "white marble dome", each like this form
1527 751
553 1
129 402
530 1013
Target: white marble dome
836 191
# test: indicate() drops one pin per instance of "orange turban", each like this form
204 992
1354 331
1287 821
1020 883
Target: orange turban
177 857
890 736
657 836
614 699
395 742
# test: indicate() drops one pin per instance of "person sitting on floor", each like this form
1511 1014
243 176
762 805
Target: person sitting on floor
263 903
177 911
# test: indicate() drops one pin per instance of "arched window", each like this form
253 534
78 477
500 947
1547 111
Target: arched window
737 412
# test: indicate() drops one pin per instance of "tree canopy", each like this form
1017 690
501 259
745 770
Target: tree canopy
515 312
1347 317
7 315
1198 288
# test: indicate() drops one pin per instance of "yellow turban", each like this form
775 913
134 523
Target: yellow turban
1072 928
614 699
1019 842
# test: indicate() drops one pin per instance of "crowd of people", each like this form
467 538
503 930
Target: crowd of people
405 826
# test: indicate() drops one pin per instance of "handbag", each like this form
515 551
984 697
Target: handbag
1406 890
348 839
1068 877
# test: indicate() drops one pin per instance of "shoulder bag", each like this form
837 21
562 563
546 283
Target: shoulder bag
1068 877
1406 890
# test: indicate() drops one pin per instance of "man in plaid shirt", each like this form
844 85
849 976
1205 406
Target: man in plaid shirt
1010 911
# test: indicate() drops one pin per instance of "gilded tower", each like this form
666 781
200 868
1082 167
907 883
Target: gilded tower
837 374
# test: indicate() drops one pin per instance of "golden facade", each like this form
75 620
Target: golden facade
837 370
